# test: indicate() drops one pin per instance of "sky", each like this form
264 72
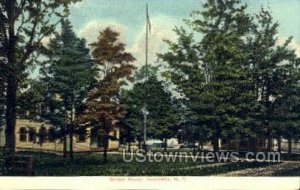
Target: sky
128 17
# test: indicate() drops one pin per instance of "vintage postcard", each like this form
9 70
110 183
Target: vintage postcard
149 94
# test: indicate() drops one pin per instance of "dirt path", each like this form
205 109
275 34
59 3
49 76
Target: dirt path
265 171
202 166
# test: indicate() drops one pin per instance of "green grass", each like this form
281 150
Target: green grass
92 165
295 172
292 157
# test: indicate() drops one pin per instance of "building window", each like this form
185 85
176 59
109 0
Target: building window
51 134
32 134
42 135
23 134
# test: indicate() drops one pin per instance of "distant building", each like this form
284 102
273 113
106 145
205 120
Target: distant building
257 144
31 135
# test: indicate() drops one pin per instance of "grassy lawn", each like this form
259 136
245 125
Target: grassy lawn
294 172
91 165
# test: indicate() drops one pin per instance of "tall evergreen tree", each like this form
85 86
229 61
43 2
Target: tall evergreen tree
31 100
102 109
273 69
212 71
286 114
70 74
162 118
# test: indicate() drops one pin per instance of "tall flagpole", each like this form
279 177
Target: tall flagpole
145 112
147 34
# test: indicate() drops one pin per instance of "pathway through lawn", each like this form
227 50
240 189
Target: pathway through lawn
203 166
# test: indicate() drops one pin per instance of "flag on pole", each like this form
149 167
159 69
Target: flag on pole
148 20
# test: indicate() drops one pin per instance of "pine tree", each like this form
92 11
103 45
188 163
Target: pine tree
102 109
162 119
286 114
69 74
212 71
272 68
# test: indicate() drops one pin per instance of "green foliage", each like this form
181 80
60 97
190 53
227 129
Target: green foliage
210 72
275 70
31 100
24 24
32 21
232 73
4 158
285 115
69 74
91 165
162 118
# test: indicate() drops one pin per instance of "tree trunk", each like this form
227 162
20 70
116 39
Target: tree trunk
255 145
269 113
290 146
105 148
238 145
201 145
165 145
194 148
228 145
12 84
71 141
269 148
65 138
129 146
215 142
270 144
105 140
11 115
279 144
129 139
72 131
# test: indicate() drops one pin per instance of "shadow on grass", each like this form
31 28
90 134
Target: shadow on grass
92 165
295 172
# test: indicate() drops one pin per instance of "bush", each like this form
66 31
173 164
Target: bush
4 161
